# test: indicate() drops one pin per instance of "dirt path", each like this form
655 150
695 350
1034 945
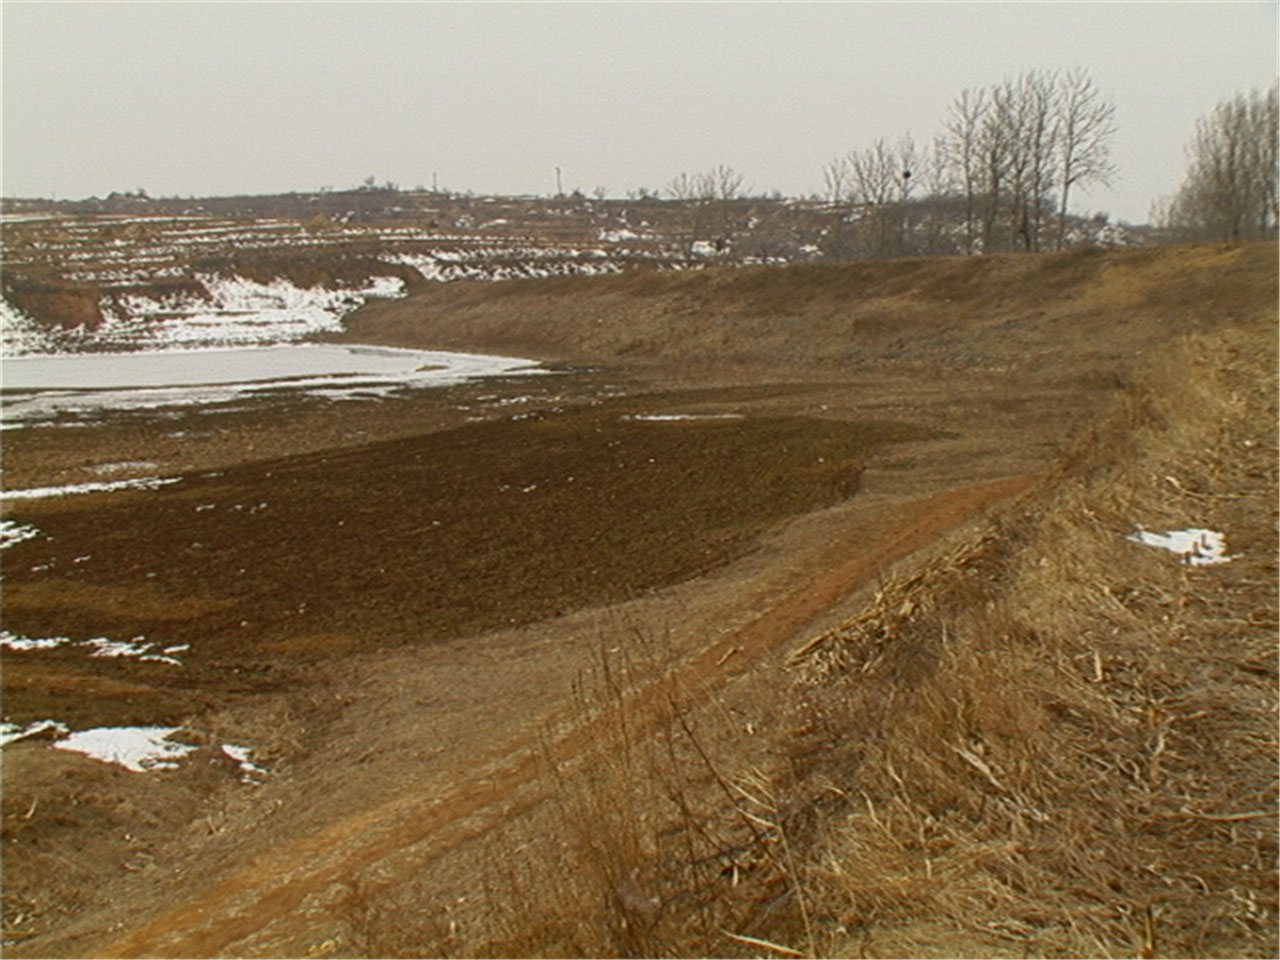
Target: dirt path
265 897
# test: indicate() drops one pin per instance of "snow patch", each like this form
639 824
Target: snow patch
98 647
102 647
139 749
1196 545
122 466
236 310
40 493
12 532
9 732
248 769
20 335
682 416
12 641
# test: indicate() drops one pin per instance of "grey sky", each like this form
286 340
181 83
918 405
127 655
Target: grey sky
217 98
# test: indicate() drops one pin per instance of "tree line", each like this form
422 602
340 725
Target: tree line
998 177
1002 172
1229 192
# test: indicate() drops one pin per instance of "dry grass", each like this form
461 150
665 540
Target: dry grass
1048 742
655 850
1065 742
1041 312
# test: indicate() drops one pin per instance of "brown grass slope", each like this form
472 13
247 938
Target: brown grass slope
1046 740
1013 310
1058 742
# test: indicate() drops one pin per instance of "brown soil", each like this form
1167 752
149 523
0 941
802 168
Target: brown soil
400 683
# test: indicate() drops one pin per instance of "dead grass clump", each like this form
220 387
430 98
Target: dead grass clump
651 841
1066 741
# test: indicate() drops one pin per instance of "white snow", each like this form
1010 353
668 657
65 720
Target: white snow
40 493
241 755
102 647
1196 545
139 749
24 217
98 647
12 532
122 466
504 263
19 334
10 732
135 748
683 416
76 383
236 311
14 642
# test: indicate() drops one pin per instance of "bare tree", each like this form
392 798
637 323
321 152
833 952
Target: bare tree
962 150
835 177
939 181
681 187
997 137
1040 93
1086 124
725 183
873 174
1230 187
719 183
879 178
1008 158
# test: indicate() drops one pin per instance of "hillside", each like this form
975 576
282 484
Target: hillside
798 612
1030 313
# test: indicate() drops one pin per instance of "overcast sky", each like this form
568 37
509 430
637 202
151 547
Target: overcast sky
198 99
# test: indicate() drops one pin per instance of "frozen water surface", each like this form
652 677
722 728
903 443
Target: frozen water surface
40 387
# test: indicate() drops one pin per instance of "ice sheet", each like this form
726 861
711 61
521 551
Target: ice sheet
40 387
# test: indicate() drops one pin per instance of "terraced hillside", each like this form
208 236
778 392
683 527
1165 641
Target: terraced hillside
93 282
129 271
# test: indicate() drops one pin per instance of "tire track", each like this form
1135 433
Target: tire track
265 896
